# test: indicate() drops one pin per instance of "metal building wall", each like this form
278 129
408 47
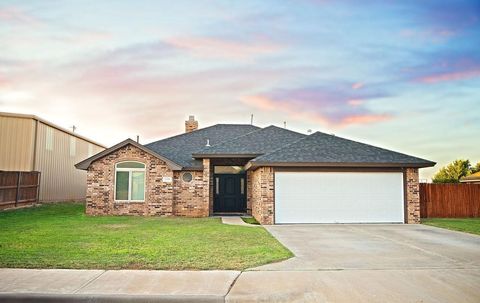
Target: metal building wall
61 181
16 143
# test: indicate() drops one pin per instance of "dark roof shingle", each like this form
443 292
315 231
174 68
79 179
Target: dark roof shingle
258 142
322 148
179 148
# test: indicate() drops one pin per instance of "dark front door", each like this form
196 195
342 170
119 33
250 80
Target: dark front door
229 193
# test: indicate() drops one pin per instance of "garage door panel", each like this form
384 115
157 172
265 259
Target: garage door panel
338 197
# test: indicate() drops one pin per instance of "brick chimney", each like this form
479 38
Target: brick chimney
191 124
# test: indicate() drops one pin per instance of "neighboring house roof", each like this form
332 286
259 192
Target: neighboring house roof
86 163
180 148
321 149
258 142
471 178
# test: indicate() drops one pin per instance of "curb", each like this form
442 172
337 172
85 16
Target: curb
85 298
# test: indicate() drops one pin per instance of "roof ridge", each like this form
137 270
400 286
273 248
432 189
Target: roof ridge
365 144
197 130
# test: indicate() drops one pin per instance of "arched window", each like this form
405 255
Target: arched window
130 181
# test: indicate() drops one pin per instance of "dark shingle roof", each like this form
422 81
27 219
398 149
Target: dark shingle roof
327 149
258 142
179 148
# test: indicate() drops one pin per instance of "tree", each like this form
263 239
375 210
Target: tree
453 172
476 168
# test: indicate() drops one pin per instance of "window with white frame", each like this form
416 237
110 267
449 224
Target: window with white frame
73 146
49 138
130 181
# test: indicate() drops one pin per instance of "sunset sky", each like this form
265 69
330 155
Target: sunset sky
404 75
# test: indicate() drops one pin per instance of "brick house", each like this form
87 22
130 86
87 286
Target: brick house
274 174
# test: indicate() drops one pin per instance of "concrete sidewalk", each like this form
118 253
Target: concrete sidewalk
340 286
61 285
234 220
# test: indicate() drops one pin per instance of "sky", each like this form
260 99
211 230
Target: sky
403 75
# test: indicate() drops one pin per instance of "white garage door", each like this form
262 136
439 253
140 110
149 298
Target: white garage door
339 197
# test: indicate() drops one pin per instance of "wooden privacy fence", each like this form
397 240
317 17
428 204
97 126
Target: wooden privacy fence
449 200
18 188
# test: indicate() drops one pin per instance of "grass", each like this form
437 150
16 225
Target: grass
62 236
468 225
250 220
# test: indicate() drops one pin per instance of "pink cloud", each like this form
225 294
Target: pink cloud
450 76
365 119
215 47
3 81
355 102
14 14
339 116
357 85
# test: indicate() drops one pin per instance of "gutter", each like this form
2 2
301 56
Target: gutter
254 164
201 156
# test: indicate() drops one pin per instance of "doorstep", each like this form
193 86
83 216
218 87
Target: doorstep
229 214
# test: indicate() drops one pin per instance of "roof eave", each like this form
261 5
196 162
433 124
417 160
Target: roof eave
467 180
83 165
201 156
254 164
192 168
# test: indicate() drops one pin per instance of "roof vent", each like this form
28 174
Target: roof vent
208 143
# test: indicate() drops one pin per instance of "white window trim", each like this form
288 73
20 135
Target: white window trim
129 170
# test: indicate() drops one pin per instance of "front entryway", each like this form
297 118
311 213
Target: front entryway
229 193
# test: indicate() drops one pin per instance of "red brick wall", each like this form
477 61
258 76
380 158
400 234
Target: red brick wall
161 198
412 195
249 192
188 196
262 195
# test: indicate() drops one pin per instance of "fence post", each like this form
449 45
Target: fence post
17 195
39 174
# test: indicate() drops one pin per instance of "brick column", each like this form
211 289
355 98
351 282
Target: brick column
263 195
413 195
207 183
249 192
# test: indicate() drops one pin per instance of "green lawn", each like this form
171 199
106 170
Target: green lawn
62 236
250 220
469 225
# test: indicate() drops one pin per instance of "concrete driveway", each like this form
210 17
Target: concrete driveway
371 246
367 263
